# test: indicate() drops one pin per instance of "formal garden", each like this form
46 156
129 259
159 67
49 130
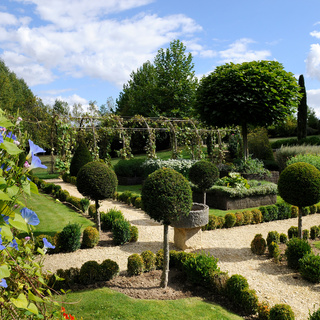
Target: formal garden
193 212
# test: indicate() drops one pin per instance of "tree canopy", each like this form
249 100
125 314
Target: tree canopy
165 88
258 93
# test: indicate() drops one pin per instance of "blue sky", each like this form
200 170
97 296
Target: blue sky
84 50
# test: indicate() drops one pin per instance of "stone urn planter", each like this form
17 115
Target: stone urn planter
187 230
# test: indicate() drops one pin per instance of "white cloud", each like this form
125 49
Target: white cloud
313 100
239 52
7 19
71 100
313 61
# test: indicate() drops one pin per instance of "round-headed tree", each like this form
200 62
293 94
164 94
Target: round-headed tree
166 196
257 93
299 185
97 181
204 174
81 157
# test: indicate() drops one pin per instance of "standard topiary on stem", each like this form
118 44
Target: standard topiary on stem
203 174
299 185
166 196
97 181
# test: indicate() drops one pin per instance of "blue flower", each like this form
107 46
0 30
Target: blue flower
34 149
1 138
14 244
11 136
47 244
36 163
5 218
29 216
3 283
1 246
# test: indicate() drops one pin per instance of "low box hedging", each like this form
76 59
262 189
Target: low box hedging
309 267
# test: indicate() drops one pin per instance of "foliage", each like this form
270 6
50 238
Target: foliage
149 260
134 234
296 249
314 232
129 168
258 244
108 218
90 237
273 236
259 144
233 180
284 210
89 272
235 145
283 238
299 184
81 157
256 216
281 312
313 159
96 181
203 174
239 218
247 217
230 220
135 265
274 251
247 93
251 166
121 231
263 311
69 238
108 269
315 315
293 232
309 267
159 259
302 110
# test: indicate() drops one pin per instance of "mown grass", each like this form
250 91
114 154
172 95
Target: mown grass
106 304
53 215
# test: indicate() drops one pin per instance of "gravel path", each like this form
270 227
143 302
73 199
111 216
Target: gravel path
273 283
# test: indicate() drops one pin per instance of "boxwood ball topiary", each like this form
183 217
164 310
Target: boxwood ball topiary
203 174
96 181
81 157
166 194
299 184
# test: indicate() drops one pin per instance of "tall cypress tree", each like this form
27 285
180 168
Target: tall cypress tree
302 110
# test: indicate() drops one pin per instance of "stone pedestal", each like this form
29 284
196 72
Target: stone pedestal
187 230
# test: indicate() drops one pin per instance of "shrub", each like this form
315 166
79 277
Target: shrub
69 238
239 218
296 249
247 216
309 267
314 232
294 211
274 251
121 231
305 211
315 315
313 209
258 245
272 213
248 301
230 220
305 234
129 168
220 221
292 232
259 144
135 265
212 223
89 272
125 197
235 284
159 259
81 157
76 202
108 218
134 234
203 174
265 214
62 195
149 260
90 237
48 187
138 203
263 311
283 238
108 270
256 216
218 281
85 203
197 267
281 312
273 236
284 211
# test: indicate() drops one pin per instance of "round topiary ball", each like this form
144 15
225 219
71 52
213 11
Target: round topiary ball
81 157
166 195
203 174
90 237
96 181
281 312
299 184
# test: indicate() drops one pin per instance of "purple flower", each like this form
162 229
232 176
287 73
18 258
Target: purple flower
3 283
36 163
11 136
34 149
47 244
29 216
14 244
1 138
1 246
5 218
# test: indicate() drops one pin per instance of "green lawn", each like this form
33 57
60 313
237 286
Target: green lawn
53 215
107 304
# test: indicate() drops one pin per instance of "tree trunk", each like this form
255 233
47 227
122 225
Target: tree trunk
98 215
204 197
300 223
245 141
165 271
